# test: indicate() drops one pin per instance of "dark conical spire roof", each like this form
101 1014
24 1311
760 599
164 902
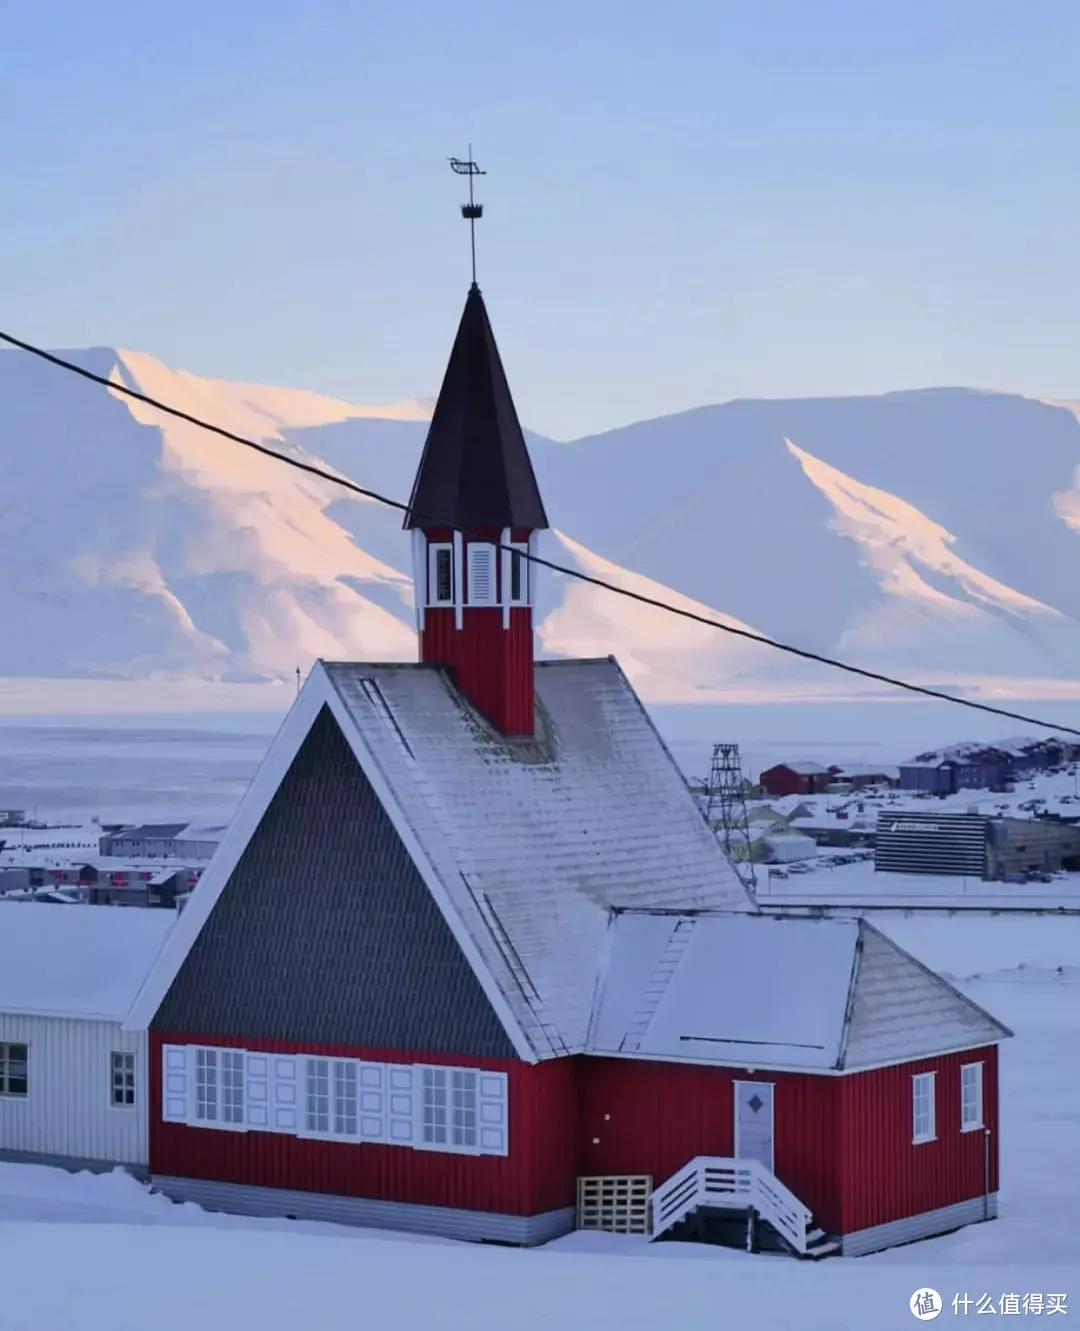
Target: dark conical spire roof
475 471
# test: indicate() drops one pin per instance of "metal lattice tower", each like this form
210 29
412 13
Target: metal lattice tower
725 809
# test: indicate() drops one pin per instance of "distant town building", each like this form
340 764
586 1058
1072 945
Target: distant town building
796 779
973 845
981 766
195 842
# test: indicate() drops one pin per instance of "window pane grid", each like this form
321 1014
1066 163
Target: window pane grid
464 1105
971 1095
122 1078
13 1071
206 1085
232 1086
345 1099
435 1106
923 1107
318 1095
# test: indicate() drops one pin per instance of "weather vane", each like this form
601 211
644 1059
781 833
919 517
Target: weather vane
471 210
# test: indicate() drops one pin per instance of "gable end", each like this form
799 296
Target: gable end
325 932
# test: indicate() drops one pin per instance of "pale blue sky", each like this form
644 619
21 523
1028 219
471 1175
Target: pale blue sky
688 201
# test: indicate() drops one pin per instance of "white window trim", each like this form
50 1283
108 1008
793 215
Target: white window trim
13 1097
522 549
497 1093
217 1124
447 1147
917 1138
420 576
473 552
980 1115
459 581
432 575
115 1104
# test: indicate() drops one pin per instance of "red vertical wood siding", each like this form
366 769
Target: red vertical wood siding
884 1176
538 1175
652 1118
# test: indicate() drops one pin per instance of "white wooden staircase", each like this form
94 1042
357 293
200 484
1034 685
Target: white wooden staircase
712 1186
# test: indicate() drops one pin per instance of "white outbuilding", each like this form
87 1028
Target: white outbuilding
72 1080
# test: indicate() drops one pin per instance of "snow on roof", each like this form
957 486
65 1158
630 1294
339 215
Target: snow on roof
540 840
756 991
76 961
802 769
150 832
771 991
870 769
202 832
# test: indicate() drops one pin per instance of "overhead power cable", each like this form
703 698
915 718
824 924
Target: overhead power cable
434 521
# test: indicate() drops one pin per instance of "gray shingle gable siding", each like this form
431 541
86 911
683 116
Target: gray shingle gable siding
326 933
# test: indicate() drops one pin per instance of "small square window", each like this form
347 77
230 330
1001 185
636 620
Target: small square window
122 1078
14 1060
922 1106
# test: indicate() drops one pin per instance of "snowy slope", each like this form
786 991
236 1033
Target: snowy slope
936 533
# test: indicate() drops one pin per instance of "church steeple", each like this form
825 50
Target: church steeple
475 470
474 514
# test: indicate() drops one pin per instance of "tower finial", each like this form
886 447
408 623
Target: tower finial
471 210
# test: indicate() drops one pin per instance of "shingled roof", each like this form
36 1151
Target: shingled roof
475 472
561 891
526 846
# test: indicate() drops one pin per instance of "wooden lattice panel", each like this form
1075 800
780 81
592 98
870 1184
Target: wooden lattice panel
617 1203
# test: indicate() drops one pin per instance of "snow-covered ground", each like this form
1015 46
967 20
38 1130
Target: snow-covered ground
102 1254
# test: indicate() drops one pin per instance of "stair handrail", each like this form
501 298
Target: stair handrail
741 1183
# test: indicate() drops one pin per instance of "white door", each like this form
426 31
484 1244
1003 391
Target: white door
754 1122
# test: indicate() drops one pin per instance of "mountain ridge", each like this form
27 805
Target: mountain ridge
871 527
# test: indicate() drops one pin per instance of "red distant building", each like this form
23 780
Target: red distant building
796 779
470 956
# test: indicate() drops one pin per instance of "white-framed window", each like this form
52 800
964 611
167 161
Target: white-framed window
971 1097
121 1079
14 1069
349 1100
206 1085
922 1108
232 1086
346 1099
317 1095
441 574
435 1110
219 1086
450 1109
480 558
463 1109
519 574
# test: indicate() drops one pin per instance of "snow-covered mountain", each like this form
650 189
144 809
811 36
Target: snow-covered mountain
935 533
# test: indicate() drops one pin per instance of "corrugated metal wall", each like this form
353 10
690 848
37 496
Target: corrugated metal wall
539 1174
68 1111
931 843
652 1118
885 1177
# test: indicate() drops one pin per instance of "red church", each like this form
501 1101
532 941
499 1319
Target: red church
471 963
